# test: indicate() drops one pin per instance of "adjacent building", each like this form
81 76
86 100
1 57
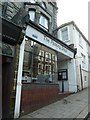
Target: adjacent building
71 35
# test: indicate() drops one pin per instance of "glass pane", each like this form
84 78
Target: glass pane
64 33
32 15
44 21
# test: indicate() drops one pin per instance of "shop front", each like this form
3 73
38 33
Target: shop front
39 74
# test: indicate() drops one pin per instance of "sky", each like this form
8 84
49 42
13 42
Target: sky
76 10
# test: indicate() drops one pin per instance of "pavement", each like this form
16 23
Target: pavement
73 106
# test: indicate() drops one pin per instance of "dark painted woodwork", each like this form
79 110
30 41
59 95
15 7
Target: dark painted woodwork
7 81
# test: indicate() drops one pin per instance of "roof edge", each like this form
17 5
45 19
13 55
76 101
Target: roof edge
72 22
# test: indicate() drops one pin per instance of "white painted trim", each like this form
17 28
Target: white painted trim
68 33
19 81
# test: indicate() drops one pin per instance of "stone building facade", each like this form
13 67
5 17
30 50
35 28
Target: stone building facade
71 35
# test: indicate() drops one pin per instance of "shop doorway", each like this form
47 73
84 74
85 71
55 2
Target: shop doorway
7 80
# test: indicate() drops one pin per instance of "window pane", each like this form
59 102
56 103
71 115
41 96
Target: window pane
64 33
44 21
32 15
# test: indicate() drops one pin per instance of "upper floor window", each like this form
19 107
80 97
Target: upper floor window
32 15
44 22
64 34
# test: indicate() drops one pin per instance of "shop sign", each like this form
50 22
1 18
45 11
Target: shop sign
43 39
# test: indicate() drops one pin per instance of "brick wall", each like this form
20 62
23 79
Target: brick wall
35 96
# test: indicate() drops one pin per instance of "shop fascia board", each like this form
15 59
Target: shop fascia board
39 35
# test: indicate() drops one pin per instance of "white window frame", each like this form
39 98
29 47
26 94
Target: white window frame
42 22
67 33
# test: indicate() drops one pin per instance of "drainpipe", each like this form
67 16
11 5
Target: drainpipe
19 80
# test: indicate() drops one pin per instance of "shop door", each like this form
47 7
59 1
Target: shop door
6 85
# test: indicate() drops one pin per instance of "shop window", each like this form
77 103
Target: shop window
40 68
53 67
64 34
44 22
62 74
32 15
38 65
47 69
53 58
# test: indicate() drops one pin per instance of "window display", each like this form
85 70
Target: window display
40 64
